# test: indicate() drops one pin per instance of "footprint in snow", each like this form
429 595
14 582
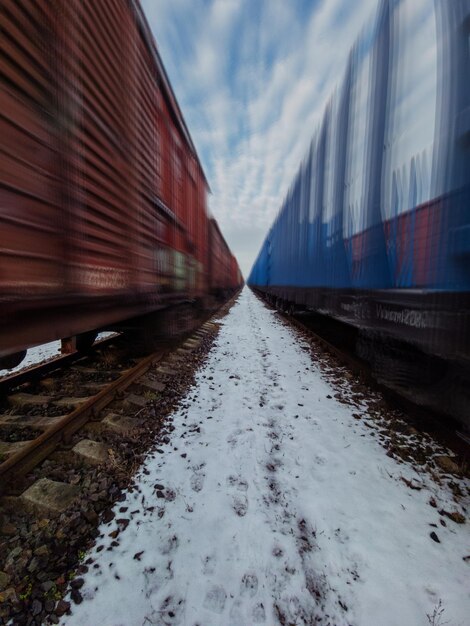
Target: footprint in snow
215 599
238 482
169 545
249 585
209 565
197 482
170 613
237 617
232 439
240 505
259 614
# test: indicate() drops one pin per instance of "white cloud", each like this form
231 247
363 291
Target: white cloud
252 79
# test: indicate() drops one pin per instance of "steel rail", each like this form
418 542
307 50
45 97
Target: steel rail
29 374
40 448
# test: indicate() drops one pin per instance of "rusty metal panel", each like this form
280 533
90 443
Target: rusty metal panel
96 139
31 227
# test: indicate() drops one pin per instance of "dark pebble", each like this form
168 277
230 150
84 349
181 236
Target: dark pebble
108 516
123 522
76 596
77 583
160 494
90 516
434 537
158 486
36 607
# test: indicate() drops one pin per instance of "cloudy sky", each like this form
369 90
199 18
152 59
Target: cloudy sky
252 78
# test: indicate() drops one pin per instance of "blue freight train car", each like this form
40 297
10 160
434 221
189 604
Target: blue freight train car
375 229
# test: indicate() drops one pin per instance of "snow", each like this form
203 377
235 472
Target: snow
41 353
34 356
278 508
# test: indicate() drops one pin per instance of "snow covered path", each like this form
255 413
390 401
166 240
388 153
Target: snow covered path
273 505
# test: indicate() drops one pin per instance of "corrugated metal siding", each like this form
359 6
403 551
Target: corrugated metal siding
30 214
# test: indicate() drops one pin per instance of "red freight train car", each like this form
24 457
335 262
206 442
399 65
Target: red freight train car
221 266
103 198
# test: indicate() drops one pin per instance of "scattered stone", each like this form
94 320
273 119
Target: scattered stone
434 537
33 565
91 451
167 371
455 516
62 608
411 484
42 552
136 401
4 580
77 583
154 385
108 516
36 607
49 605
47 586
49 497
8 529
123 522
120 424
9 595
91 516
447 464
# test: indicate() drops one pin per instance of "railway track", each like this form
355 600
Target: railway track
44 406
37 371
59 429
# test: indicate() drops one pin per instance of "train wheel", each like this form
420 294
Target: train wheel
84 341
10 361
